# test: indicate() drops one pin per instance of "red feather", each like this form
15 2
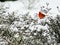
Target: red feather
41 15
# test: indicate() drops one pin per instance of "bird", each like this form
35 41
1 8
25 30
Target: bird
41 15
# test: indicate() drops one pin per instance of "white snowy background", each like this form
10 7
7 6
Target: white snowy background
28 9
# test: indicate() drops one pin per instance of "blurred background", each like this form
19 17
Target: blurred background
6 0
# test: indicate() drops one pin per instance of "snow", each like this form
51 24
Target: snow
16 35
15 7
22 7
35 33
13 28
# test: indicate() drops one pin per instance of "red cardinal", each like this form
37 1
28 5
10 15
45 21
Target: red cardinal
41 15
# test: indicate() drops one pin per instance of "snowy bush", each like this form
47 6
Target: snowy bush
22 29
